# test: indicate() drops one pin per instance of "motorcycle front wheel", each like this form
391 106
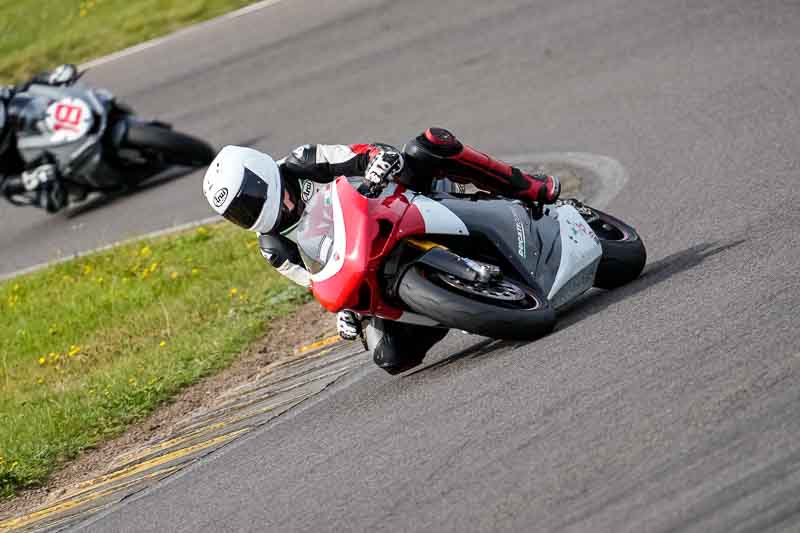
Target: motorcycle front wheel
170 146
501 309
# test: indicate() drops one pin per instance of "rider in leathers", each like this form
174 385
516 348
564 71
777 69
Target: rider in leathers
435 153
40 180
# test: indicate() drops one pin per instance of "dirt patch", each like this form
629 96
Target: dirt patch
310 323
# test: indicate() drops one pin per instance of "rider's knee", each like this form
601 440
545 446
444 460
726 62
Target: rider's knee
396 347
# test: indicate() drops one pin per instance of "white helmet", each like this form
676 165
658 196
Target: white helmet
245 186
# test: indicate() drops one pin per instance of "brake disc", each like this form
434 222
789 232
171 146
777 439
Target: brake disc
496 290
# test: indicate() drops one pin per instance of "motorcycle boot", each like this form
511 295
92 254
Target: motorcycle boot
397 347
437 153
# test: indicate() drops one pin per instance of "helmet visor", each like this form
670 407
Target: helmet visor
290 210
246 207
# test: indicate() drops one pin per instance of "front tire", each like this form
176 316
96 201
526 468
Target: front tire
172 147
423 290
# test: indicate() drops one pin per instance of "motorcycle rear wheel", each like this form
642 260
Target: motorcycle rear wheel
173 147
624 254
496 315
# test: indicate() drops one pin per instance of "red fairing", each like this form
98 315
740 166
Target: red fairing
372 227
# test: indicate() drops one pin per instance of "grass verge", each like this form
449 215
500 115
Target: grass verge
35 35
91 345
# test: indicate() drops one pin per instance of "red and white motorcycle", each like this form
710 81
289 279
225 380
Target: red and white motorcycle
483 264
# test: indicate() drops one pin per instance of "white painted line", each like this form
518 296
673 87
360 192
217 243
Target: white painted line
179 33
151 235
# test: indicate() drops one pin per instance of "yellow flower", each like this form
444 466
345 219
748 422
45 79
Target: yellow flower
145 251
153 266
42 360
74 350
195 271
39 380
202 231
162 343
233 292
87 269
174 275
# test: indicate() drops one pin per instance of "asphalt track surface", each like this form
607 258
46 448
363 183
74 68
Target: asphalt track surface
672 404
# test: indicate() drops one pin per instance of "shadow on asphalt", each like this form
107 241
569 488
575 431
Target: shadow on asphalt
654 273
596 301
479 349
106 199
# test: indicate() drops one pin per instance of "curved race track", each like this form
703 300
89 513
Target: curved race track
668 405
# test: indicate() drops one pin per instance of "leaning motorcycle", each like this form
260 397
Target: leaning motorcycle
94 139
483 264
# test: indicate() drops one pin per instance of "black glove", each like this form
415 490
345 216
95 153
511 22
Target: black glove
383 167
44 184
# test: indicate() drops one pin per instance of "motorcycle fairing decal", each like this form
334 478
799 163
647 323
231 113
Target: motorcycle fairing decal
334 265
580 254
68 119
437 217
520 227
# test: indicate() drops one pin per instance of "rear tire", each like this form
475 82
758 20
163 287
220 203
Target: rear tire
624 254
428 296
173 147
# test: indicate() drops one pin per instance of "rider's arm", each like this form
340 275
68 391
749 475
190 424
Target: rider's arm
282 253
324 162
65 74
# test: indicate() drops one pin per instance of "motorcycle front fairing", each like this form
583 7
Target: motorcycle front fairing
66 124
343 239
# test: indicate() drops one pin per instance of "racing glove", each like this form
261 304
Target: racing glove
34 179
348 325
43 182
384 167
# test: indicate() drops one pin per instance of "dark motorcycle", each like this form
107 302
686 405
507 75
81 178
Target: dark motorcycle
95 142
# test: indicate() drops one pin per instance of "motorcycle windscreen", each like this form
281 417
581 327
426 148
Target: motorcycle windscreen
315 229
29 115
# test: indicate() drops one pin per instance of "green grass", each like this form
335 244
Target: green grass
35 35
91 345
